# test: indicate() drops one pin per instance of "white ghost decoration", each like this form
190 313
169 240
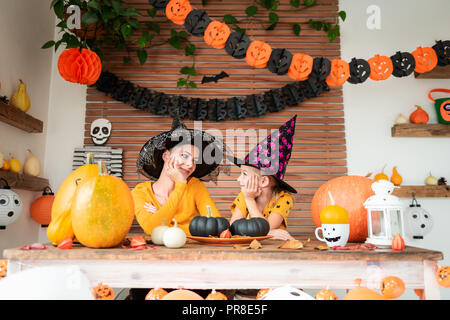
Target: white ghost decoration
10 206
286 293
100 131
418 221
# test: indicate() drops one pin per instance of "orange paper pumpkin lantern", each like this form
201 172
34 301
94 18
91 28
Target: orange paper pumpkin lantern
398 244
155 294
182 294
381 67
103 292
443 276
216 34
325 294
41 209
340 72
258 54
392 287
301 67
426 59
177 10
79 66
216 295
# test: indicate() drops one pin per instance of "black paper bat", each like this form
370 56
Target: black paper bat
215 78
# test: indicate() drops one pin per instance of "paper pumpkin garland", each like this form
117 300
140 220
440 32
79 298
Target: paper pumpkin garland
237 45
159 4
426 59
340 72
301 67
177 10
442 49
359 71
403 64
321 68
196 22
258 54
279 61
216 34
381 67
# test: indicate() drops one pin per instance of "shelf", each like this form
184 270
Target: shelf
19 119
421 130
23 181
422 191
437 73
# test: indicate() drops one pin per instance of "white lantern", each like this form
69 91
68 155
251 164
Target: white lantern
384 214
10 205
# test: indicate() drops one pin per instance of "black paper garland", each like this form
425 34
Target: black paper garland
404 64
279 61
359 71
321 68
237 45
234 108
159 4
196 22
442 49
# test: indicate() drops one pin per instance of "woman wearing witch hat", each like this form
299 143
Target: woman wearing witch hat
177 160
264 193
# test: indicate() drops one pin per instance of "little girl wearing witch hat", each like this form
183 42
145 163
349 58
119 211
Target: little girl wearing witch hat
264 193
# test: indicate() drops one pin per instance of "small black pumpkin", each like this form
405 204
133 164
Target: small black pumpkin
252 227
359 71
202 226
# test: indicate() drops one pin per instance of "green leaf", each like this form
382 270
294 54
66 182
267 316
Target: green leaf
94 5
343 15
295 3
131 12
192 84
73 42
188 70
333 33
126 60
296 28
274 5
183 34
230 19
88 18
273 17
108 14
54 2
181 82
151 12
126 30
175 42
189 50
62 24
271 27
173 33
251 11
59 9
117 7
154 26
241 30
48 44
326 26
309 3
142 55
134 23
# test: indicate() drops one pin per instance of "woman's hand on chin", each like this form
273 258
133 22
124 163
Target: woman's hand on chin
174 173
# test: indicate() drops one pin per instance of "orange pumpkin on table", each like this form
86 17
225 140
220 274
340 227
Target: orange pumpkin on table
426 59
156 294
103 292
258 54
216 34
340 72
419 116
81 66
301 67
392 287
177 10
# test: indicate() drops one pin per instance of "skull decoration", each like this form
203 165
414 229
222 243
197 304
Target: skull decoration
286 293
10 205
100 131
418 222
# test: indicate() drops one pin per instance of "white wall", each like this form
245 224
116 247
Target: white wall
371 108
24 27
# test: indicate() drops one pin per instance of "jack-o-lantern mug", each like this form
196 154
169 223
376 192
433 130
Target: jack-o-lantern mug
442 106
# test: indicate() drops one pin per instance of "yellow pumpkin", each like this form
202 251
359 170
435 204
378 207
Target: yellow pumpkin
60 226
102 210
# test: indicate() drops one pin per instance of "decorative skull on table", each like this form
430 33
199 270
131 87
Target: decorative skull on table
100 131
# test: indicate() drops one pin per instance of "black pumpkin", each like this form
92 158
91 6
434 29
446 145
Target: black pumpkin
202 226
359 71
252 227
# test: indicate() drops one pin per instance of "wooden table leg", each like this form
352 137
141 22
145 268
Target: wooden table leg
431 288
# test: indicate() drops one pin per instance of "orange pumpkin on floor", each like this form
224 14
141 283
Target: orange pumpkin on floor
102 210
216 34
362 293
426 59
381 67
392 287
103 292
443 276
178 10
349 192
155 294
81 66
3 268
258 54
340 72
216 295
301 67
182 294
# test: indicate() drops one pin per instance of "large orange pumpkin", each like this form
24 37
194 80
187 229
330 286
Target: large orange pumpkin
81 66
182 294
363 293
349 192
102 210
60 226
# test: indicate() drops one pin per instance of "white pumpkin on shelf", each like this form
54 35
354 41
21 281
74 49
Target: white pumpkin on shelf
174 237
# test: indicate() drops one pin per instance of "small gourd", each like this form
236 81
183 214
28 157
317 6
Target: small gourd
158 233
381 175
32 165
431 180
174 237
398 244
396 178
401 119
419 116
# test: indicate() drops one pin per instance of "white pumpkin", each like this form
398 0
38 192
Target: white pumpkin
158 233
174 237
32 165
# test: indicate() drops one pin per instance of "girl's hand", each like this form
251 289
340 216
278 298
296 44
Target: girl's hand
280 234
252 189
150 208
173 172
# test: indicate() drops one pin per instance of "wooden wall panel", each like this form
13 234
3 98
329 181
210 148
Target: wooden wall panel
319 152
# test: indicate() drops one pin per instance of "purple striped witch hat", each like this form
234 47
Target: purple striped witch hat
272 154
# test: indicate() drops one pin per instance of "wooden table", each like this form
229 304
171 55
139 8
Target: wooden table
201 266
